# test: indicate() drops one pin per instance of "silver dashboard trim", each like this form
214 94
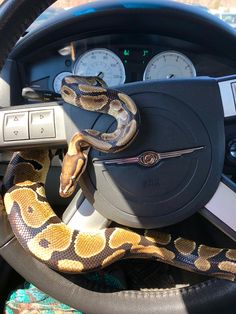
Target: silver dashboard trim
223 205
228 97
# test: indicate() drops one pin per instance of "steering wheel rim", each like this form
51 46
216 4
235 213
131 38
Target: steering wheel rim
12 26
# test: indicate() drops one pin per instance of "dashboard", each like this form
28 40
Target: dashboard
120 59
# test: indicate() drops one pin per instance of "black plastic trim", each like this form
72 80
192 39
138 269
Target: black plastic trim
159 17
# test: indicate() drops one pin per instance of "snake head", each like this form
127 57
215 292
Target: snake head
72 168
72 85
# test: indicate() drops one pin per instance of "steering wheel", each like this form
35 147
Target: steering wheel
202 104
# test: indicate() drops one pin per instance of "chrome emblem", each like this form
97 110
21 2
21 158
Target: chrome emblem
149 158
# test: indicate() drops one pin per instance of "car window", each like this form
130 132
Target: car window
223 9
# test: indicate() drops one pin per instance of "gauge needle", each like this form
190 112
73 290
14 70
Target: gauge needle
169 76
100 74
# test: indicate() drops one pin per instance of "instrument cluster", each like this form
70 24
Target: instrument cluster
108 65
119 60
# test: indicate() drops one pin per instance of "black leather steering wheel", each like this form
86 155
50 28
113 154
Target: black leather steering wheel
212 295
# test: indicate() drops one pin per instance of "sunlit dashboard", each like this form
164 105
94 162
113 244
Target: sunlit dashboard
120 59
107 65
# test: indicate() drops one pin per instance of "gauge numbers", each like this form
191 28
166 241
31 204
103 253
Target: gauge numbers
169 65
103 63
58 81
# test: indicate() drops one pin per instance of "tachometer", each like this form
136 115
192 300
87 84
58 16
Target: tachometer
169 65
103 63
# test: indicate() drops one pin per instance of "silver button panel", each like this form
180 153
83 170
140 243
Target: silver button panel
16 126
41 124
32 126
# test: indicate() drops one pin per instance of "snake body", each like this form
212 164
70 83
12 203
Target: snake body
46 237
91 93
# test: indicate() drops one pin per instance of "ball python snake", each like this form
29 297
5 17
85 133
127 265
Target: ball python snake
46 237
91 93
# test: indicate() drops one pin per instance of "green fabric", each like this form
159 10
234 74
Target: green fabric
31 300
107 280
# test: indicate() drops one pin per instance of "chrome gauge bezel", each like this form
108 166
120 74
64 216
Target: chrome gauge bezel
75 70
166 53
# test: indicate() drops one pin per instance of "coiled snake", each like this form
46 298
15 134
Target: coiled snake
46 237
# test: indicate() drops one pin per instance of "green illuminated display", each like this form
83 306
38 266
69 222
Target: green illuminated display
145 52
126 52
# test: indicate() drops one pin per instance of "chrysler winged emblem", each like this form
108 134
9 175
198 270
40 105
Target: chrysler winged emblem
148 158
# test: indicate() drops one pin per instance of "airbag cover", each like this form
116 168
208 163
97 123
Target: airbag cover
173 117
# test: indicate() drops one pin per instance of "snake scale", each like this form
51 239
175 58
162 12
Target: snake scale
46 237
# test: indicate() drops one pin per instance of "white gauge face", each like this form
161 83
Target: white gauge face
103 63
58 81
169 65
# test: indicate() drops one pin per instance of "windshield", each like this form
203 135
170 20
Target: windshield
223 9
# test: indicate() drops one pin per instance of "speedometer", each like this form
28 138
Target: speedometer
103 63
169 65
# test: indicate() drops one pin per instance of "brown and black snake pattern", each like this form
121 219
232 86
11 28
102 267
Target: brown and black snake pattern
91 93
46 237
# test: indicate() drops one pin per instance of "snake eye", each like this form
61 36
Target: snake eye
66 92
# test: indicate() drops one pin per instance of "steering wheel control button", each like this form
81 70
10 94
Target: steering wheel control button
16 126
232 150
42 124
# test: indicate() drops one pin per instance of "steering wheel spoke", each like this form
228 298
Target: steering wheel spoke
227 87
221 209
81 215
32 126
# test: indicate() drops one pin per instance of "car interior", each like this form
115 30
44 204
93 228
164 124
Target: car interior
144 91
